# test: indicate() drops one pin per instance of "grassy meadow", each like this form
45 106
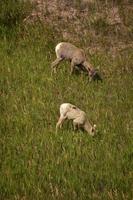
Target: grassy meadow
37 163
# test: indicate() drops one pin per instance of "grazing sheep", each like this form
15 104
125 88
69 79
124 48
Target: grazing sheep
77 57
69 111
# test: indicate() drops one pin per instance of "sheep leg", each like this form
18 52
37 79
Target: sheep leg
72 67
54 64
75 125
60 122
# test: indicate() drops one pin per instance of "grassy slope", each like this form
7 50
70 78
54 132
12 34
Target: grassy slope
36 163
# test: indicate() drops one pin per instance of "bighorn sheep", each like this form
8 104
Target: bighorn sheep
69 111
77 57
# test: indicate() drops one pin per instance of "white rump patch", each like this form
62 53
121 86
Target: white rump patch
58 47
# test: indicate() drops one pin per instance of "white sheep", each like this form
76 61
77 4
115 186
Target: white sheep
67 51
69 111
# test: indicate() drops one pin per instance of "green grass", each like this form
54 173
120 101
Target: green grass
35 162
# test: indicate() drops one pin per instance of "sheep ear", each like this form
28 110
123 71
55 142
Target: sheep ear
94 126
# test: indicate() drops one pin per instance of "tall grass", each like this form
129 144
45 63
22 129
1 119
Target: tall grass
12 14
37 163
